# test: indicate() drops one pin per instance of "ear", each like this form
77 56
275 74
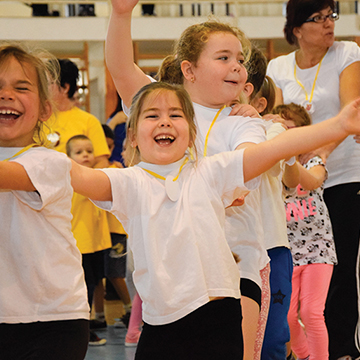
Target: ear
132 138
248 89
297 32
65 89
259 103
187 69
45 112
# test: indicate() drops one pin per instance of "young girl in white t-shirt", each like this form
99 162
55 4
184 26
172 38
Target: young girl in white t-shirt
43 301
208 61
173 209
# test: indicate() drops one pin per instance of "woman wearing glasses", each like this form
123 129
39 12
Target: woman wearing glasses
323 75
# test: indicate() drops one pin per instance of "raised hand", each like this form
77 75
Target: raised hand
123 6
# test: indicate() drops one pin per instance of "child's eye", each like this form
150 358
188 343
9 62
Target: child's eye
20 88
241 61
152 116
223 58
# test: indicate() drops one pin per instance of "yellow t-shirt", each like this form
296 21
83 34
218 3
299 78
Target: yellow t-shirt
89 225
77 122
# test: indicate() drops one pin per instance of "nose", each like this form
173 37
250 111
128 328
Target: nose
165 121
6 93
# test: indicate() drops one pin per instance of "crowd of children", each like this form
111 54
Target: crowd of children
222 267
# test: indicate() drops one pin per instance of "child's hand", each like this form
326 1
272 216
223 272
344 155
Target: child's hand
239 201
123 6
275 118
244 110
349 118
357 138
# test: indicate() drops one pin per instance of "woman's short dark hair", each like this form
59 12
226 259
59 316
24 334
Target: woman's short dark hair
297 11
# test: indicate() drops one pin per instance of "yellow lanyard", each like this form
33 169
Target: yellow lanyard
162 177
211 125
313 87
21 151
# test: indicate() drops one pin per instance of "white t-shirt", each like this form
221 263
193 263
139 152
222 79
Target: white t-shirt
181 256
243 225
343 162
40 265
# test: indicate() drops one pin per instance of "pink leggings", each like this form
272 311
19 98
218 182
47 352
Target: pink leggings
265 304
310 284
135 317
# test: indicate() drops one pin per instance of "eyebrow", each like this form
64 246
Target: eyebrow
172 108
228 52
24 82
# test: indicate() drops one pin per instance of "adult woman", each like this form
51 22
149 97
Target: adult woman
323 75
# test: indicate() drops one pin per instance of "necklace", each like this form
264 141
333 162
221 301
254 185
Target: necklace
307 104
172 187
21 151
210 127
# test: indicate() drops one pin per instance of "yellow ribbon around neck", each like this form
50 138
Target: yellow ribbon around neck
162 177
26 148
211 125
314 83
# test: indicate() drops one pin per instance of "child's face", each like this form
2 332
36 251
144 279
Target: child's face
19 104
219 74
163 131
82 152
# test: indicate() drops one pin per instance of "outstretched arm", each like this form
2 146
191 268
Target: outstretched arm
91 183
119 52
261 157
13 176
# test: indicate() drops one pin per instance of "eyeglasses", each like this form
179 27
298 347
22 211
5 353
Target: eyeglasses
322 18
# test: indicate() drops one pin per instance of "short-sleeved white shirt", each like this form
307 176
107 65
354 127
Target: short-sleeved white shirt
343 162
243 224
41 274
181 256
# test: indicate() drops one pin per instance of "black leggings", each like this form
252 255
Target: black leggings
55 340
341 310
211 332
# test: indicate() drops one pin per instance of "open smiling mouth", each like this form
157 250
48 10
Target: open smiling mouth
164 139
9 114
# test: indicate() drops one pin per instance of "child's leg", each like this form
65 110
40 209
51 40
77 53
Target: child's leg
314 288
251 311
277 332
250 305
299 342
133 333
265 303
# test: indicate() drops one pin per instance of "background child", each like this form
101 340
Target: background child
89 226
43 304
312 246
161 129
268 202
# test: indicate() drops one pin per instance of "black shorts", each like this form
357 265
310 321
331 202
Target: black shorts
55 340
211 332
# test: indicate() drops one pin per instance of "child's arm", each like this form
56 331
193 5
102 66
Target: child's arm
313 178
119 52
291 176
261 157
13 176
91 183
